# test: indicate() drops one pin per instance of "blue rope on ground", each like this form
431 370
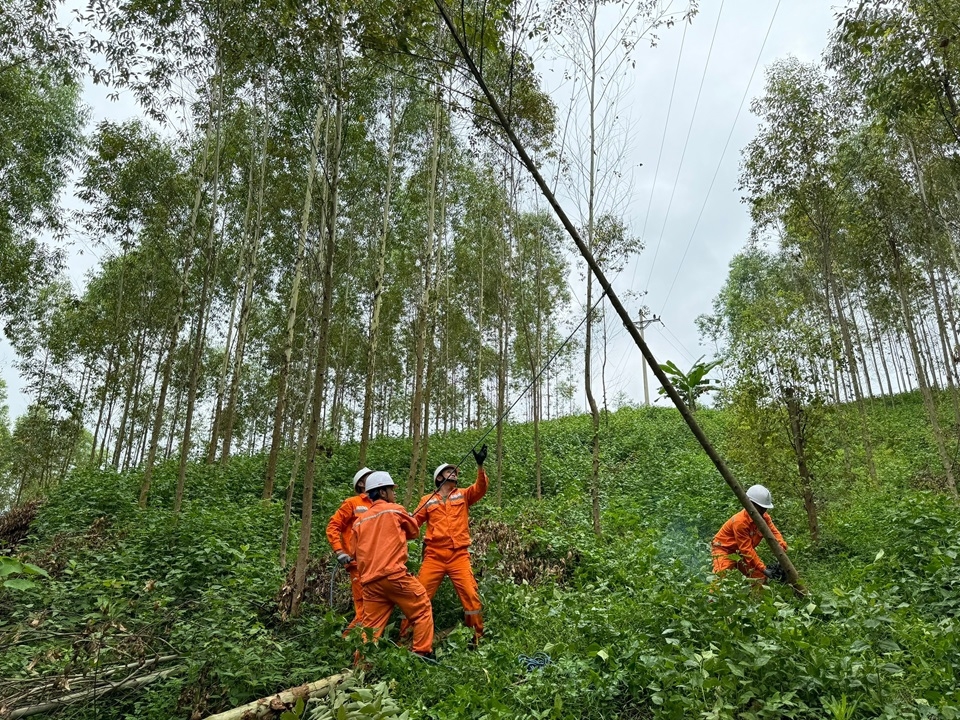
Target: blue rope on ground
539 661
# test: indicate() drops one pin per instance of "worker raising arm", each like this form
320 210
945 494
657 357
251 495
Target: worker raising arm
447 543
740 536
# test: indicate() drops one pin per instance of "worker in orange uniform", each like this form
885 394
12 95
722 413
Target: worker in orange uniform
447 543
340 537
735 545
381 545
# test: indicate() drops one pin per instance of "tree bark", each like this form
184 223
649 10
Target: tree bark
423 321
377 304
323 341
292 309
273 706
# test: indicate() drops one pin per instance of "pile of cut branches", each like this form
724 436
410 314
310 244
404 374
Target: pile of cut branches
23 697
15 525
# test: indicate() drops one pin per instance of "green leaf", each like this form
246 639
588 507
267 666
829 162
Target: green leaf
19 584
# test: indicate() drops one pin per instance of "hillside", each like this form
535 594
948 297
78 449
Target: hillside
631 622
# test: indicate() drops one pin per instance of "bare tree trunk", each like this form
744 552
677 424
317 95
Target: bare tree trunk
594 482
203 310
246 305
925 393
221 387
323 340
377 304
165 385
134 374
292 309
799 445
423 321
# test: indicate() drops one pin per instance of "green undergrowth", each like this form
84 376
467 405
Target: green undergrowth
633 623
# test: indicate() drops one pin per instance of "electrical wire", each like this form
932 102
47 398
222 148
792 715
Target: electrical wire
663 141
686 143
522 393
723 152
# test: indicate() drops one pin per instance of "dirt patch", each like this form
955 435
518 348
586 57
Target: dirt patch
15 525
503 550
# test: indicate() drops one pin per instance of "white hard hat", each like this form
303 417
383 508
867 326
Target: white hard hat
760 496
361 474
379 479
440 469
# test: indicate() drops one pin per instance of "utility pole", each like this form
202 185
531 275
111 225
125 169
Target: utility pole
643 361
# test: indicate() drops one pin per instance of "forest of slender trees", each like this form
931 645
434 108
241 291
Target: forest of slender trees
846 292
315 232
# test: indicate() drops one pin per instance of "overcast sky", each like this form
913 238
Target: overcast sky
736 29
684 263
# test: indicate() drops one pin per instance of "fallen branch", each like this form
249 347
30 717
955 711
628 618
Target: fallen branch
128 684
270 707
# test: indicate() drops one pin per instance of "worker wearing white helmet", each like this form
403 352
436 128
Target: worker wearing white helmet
340 536
447 543
735 545
382 534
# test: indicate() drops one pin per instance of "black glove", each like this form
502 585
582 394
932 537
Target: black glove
768 573
480 456
344 559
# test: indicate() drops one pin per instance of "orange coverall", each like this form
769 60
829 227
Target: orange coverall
447 547
740 536
340 536
381 543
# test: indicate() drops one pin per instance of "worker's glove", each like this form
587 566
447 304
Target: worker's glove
480 456
768 573
344 559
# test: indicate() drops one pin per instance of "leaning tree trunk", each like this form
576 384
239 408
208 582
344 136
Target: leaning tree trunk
792 576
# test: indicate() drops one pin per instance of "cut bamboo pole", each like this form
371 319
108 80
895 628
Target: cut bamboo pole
269 707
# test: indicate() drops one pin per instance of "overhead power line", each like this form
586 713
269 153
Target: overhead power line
723 153
686 143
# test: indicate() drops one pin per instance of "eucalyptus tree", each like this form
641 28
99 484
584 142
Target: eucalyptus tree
889 224
791 184
903 56
40 89
541 295
771 348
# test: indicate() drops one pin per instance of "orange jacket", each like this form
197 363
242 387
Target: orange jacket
381 541
339 528
740 535
448 521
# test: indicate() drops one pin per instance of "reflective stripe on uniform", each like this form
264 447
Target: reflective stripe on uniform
382 512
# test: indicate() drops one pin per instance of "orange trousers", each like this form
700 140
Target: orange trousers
406 592
356 589
437 564
722 562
